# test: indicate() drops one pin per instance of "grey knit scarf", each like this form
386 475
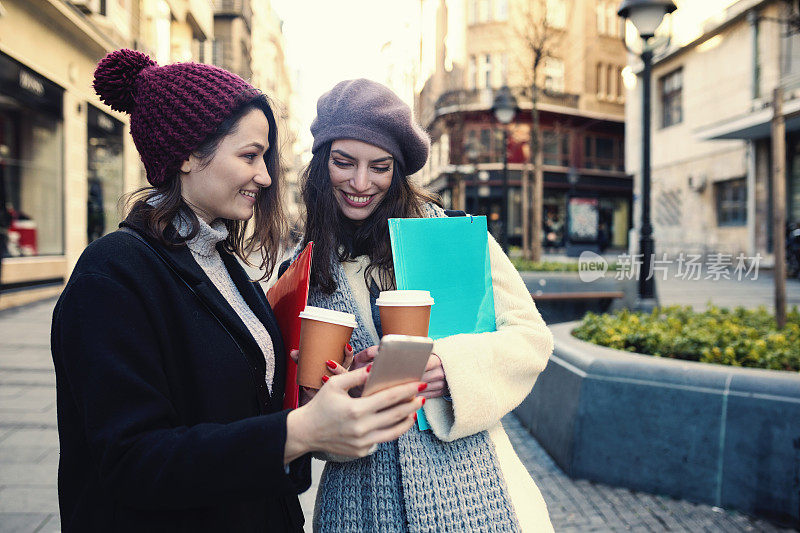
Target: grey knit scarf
417 483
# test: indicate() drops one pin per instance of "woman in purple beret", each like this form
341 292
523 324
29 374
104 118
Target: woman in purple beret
462 474
168 386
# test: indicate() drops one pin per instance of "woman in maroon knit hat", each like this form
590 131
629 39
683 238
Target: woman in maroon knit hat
168 386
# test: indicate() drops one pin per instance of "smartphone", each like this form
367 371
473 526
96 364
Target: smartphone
400 359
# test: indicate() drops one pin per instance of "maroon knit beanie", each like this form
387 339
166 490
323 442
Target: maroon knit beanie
173 108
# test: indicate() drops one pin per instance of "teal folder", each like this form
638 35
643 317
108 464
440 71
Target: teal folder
449 257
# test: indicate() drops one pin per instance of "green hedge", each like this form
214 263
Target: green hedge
738 337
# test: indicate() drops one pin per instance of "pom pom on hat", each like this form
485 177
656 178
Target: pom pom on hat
115 78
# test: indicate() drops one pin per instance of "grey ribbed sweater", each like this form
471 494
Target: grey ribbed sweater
204 250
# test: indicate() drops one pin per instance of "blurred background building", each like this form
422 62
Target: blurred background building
712 141
65 157
469 50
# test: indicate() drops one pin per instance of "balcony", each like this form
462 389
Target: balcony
234 8
481 99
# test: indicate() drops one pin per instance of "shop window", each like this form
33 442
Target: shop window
31 164
731 198
671 95
105 173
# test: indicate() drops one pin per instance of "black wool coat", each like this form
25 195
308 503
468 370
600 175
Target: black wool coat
165 420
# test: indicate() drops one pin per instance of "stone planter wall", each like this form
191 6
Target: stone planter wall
721 435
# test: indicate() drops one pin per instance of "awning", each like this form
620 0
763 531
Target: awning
754 125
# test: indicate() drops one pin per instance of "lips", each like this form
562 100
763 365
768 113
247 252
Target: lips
357 200
250 195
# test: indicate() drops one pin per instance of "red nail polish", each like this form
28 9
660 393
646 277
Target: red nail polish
422 387
423 400
349 348
325 379
415 417
369 367
331 364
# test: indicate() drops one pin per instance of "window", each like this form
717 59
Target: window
619 83
501 10
600 12
503 69
485 146
731 199
555 148
473 11
484 10
554 75
485 76
556 13
603 153
600 80
472 73
611 88
671 89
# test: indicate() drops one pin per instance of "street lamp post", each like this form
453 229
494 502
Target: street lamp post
504 108
646 16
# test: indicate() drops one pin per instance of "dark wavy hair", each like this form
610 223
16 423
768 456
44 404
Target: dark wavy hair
338 238
155 208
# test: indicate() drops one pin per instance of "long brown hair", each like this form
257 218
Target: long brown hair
337 237
155 208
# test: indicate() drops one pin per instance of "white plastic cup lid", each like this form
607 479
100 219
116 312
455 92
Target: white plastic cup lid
330 316
404 298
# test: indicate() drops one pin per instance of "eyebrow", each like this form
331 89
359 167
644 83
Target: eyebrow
257 145
348 156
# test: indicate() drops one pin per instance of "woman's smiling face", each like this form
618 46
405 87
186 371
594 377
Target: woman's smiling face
361 174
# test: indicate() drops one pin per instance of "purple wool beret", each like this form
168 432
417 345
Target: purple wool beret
173 108
367 111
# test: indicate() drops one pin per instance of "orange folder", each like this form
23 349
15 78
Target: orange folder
288 298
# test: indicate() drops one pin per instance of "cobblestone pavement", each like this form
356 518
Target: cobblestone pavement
578 505
29 456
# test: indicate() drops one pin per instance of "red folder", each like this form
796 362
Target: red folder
288 298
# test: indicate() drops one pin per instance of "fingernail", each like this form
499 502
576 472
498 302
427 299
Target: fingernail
423 400
331 364
422 387
325 379
349 348
369 367
415 416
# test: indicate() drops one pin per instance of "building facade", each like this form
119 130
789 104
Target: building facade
65 157
233 22
471 49
711 138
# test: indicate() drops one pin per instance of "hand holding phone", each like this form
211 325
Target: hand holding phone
401 359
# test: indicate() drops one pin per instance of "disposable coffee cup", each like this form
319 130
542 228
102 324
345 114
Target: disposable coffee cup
405 312
323 335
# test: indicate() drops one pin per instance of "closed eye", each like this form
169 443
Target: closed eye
342 164
381 169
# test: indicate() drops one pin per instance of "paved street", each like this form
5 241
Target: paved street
29 456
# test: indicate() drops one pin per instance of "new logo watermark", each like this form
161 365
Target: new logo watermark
690 267
591 267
